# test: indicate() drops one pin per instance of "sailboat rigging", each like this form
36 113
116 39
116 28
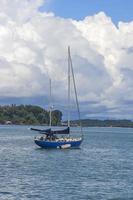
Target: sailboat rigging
50 138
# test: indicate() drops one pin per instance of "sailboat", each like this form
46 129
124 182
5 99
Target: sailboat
61 139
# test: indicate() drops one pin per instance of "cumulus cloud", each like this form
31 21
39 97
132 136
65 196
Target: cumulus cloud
33 46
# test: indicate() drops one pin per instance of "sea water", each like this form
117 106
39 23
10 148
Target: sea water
102 169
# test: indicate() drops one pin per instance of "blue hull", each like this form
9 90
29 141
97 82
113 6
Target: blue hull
58 144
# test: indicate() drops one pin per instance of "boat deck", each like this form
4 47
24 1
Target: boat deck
58 139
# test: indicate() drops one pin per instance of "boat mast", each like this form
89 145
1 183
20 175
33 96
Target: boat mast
50 109
75 90
68 123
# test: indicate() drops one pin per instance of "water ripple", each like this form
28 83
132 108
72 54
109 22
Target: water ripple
100 170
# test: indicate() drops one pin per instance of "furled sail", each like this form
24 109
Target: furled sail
43 131
51 132
64 131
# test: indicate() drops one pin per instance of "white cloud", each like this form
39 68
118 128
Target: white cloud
18 10
34 44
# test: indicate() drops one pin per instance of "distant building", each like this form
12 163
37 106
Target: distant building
8 122
63 123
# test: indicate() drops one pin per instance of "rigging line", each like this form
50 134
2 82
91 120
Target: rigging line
74 83
69 87
50 109
51 100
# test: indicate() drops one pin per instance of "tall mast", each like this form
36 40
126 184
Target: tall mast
50 109
75 90
68 123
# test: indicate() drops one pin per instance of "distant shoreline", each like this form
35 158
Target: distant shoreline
36 115
28 114
74 126
123 123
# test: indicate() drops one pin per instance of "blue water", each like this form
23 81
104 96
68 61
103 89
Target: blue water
102 169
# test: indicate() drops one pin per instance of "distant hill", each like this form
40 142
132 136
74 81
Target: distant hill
103 123
27 114
31 114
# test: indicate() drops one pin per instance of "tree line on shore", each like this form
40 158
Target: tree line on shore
28 114
31 114
104 123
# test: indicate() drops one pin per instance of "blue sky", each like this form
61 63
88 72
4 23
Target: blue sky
118 10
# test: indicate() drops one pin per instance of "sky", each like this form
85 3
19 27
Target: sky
118 10
34 36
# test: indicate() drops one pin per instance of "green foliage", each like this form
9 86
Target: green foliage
104 123
28 114
56 117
